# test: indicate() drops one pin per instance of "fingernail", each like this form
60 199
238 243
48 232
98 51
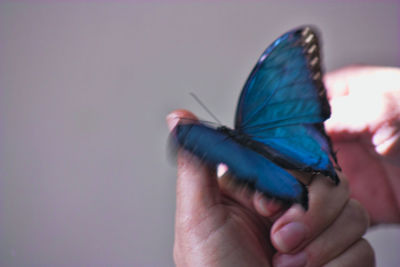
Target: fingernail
268 207
382 134
384 147
384 139
221 169
287 260
289 236
262 203
172 121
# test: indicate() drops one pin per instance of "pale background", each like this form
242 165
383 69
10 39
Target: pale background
85 87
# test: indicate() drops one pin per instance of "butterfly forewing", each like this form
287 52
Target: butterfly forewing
283 104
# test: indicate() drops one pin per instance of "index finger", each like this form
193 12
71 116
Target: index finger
196 187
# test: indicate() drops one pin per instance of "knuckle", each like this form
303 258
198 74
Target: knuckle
344 184
359 254
359 214
368 251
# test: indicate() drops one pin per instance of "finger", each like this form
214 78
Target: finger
357 78
247 196
344 124
296 228
272 208
266 206
359 254
196 189
336 83
350 226
357 89
239 192
340 235
339 82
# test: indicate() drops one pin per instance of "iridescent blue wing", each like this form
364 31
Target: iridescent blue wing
283 105
248 167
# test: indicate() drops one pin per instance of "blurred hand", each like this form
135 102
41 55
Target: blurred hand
216 225
365 130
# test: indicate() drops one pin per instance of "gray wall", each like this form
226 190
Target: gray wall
85 87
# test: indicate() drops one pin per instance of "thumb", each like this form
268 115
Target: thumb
196 187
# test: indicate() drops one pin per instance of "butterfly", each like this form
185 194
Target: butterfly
278 123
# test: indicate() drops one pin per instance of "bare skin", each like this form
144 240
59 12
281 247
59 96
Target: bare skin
218 226
365 130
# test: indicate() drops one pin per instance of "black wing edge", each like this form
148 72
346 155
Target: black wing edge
310 38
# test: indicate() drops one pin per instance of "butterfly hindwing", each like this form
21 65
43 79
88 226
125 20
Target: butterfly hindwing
248 167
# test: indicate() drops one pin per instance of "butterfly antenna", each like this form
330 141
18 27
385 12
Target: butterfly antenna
205 108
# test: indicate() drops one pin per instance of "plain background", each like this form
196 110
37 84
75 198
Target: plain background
84 90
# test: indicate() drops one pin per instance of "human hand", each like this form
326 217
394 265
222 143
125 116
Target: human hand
218 226
365 130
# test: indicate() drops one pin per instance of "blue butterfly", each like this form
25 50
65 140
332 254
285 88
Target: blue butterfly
278 124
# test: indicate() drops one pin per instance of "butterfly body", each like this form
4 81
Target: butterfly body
238 136
278 123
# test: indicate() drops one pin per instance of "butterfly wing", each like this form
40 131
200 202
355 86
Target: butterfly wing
247 166
283 105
